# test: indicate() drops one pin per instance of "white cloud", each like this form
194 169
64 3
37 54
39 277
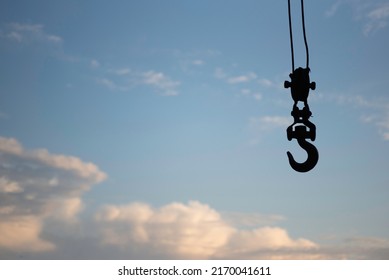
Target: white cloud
54 38
374 14
125 79
377 18
7 186
175 230
257 96
198 62
383 126
41 198
123 71
21 32
219 73
108 83
35 187
94 63
260 125
265 82
333 9
248 93
358 248
22 234
13 35
161 82
269 243
379 13
269 122
192 230
250 220
379 107
242 78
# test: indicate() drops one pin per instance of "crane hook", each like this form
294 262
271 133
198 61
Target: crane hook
310 163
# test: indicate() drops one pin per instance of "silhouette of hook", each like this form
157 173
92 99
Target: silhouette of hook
313 157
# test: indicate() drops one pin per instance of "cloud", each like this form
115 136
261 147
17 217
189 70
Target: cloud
189 231
242 78
258 126
27 33
41 198
266 82
383 126
175 230
198 62
269 122
333 9
7 186
373 14
377 18
125 79
94 63
111 85
358 248
248 93
268 243
37 187
161 82
122 71
250 220
22 233
376 110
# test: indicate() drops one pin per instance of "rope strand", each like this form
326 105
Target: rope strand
291 33
305 36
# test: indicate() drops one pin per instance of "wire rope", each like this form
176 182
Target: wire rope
304 33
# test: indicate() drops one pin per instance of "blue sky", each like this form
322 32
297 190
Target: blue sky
157 129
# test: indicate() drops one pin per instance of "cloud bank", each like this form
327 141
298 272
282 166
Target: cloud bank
41 201
193 231
36 187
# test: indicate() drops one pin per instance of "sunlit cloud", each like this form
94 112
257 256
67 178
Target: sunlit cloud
22 234
251 220
41 199
37 186
187 231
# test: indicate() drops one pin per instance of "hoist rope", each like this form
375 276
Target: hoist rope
304 33
291 35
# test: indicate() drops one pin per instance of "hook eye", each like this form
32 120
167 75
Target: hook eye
310 163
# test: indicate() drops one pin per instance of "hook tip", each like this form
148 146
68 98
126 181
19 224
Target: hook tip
310 163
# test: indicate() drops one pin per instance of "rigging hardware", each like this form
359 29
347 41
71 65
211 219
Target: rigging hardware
300 85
